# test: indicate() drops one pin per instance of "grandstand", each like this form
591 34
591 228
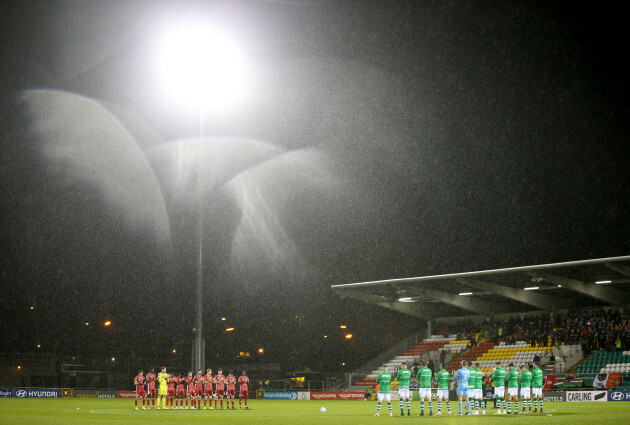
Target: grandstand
496 296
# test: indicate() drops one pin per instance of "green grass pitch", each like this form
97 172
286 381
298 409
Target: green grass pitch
120 411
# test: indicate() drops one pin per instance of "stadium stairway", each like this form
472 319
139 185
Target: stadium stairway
574 368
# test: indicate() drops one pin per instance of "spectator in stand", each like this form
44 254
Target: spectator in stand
442 356
536 358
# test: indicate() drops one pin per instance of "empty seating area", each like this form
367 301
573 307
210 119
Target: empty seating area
518 353
607 362
434 343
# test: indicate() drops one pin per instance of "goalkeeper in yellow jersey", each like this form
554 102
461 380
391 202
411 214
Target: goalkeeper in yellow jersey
162 378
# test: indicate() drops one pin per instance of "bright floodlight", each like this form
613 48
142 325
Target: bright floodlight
200 68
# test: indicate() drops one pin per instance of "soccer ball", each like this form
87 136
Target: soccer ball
322 409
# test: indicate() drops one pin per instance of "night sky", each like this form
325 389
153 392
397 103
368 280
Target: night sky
377 140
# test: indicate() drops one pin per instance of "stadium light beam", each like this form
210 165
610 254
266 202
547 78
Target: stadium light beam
202 70
531 288
603 282
465 293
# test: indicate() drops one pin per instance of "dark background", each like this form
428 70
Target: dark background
459 136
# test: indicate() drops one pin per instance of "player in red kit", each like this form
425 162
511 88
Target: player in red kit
208 393
170 392
151 393
180 392
138 381
191 389
243 381
230 380
220 381
198 381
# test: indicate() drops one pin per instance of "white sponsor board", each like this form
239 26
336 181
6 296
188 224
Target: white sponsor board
304 395
587 396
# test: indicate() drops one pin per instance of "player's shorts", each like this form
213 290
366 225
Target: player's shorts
479 393
199 390
181 392
537 392
471 392
244 394
403 392
424 392
231 391
526 392
162 391
171 392
151 391
513 391
191 391
220 392
442 393
208 392
140 392
462 391
499 391
384 396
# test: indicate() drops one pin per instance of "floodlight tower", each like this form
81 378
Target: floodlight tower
200 69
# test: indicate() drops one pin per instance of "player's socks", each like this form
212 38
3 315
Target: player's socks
535 405
542 402
510 406
439 406
430 408
460 404
408 407
516 409
422 407
136 402
389 406
378 408
402 406
468 407
504 404
529 404
448 404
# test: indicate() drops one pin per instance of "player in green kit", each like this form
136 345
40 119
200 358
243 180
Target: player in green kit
512 378
526 382
383 380
443 377
499 387
478 389
403 376
424 381
537 386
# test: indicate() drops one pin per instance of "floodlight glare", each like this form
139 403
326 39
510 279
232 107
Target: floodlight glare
200 68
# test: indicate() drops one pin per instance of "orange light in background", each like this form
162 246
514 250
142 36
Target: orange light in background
39 345
325 336
174 351
348 336
261 350
343 326
108 322
229 329
19 367
32 307
87 323
223 319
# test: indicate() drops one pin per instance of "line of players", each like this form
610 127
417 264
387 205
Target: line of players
190 390
469 382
